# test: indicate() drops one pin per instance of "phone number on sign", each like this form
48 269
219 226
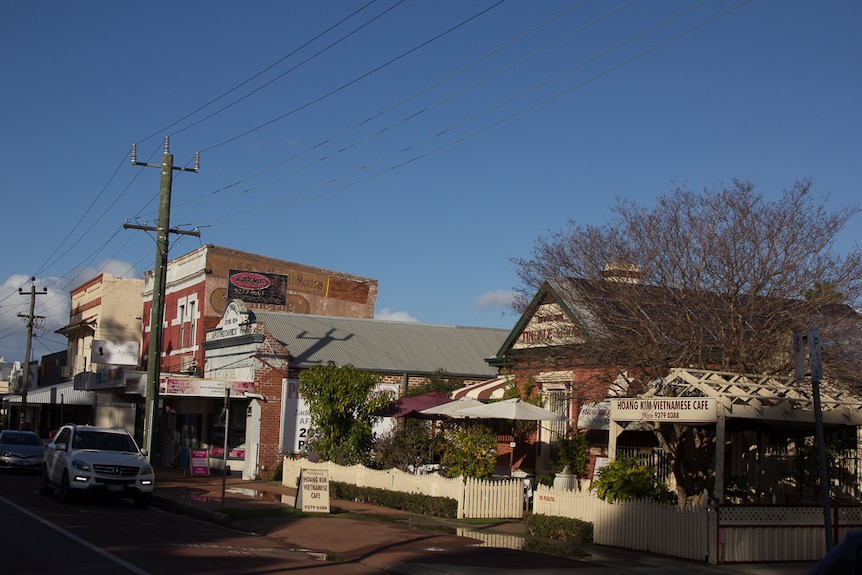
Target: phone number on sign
661 415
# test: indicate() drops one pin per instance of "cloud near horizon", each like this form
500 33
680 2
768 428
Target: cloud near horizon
392 315
495 300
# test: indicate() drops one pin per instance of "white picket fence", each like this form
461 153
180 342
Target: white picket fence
730 534
476 498
733 534
641 525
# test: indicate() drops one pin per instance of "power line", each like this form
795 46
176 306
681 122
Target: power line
354 80
253 77
252 211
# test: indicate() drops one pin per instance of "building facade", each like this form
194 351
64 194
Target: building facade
755 429
199 284
259 355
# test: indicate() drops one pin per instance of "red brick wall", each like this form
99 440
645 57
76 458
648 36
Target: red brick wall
267 382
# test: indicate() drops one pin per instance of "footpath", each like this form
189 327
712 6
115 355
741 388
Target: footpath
410 544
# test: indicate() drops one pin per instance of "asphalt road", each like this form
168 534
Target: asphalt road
40 534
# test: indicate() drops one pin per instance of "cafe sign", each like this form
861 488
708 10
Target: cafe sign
665 409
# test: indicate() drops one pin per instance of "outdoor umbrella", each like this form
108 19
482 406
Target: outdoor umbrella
413 406
453 408
511 409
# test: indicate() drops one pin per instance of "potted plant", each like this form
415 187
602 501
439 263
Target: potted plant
571 461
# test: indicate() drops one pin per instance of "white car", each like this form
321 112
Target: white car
84 460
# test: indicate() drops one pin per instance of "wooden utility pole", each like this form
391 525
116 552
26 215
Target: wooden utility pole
157 313
25 384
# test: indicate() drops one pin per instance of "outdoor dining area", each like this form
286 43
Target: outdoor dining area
509 418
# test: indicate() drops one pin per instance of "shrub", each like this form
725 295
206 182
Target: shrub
412 502
626 478
559 528
571 456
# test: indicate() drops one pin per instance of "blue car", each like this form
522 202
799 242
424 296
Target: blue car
21 450
844 559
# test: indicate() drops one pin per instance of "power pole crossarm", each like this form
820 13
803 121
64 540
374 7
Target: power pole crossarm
177 231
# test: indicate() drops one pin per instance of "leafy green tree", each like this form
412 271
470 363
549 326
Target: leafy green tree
343 404
626 478
470 452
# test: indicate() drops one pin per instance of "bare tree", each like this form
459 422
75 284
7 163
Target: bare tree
714 279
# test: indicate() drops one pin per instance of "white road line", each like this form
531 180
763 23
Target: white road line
77 539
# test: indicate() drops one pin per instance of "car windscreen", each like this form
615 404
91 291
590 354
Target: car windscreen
103 441
12 438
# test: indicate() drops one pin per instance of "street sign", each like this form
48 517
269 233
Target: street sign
815 356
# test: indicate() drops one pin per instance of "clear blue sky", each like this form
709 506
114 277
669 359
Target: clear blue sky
421 143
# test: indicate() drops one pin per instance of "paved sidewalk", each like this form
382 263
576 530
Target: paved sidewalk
409 544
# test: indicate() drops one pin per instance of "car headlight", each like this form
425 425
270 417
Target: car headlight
80 465
5 454
146 470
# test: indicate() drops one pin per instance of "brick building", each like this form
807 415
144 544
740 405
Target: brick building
199 284
261 353
569 327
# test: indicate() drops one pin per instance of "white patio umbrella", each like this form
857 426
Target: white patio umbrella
511 409
453 408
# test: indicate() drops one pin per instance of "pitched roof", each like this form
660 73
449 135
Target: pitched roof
384 346
611 311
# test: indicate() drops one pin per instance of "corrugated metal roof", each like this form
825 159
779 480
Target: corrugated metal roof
384 346
53 395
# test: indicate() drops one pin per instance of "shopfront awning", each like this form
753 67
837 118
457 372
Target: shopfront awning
86 327
64 393
491 389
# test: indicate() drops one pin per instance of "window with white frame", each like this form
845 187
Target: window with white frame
181 319
192 322
186 321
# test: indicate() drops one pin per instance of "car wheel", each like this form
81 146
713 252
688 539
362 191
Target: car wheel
143 501
66 495
45 485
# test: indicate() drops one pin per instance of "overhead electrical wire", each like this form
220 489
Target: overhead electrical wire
52 260
268 205
385 110
255 76
354 80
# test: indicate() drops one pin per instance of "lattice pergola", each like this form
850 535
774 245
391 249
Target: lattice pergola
754 397
762 397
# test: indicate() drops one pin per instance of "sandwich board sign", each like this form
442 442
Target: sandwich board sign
199 462
313 493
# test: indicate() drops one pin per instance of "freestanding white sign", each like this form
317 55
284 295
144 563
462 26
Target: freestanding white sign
670 409
313 493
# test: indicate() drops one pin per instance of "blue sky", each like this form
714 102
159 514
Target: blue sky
420 143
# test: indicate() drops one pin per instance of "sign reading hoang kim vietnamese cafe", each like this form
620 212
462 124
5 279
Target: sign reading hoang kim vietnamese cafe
670 409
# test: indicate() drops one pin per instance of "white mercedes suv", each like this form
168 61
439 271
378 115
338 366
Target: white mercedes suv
84 460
